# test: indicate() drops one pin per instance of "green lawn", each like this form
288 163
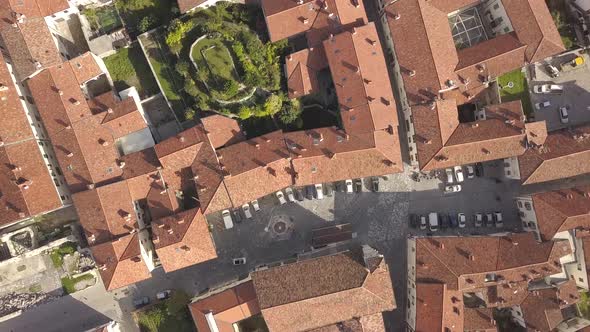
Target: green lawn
171 315
108 19
163 63
69 284
129 67
58 253
520 90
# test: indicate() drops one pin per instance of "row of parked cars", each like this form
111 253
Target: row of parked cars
456 175
555 89
434 220
317 191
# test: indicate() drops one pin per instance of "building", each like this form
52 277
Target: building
449 277
562 154
463 45
321 292
30 180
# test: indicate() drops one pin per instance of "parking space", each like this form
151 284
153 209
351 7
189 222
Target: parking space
575 97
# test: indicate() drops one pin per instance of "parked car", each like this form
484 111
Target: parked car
455 188
423 223
462 220
433 221
449 172
309 192
459 174
140 302
375 184
237 216
163 294
548 88
542 105
349 186
246 209
281 197
551 70
319 191
298 194
329 190
413 220
453 220
358 185
479 169
478 220
290 195
227 220
239 261
498 220
563 115
255 205
470 171
489 220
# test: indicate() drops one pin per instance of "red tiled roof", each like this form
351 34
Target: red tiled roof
479 320
287 18
119 262
222 130
183 240
421 27
562 210
541 310
38 8
435 309
362 84
227 307
301 70
186 5
15 125
29 40
322 291
328 154
82 132
564 154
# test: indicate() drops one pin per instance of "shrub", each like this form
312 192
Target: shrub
230 88
273 104
290 112
147 23
176 33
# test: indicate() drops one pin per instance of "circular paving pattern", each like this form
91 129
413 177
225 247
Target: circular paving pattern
281 227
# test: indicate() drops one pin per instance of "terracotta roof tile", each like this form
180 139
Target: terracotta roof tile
183 240
565 154
328 154
562 210
435 308
222 130
120 262
15 125
362 84
287 18
85 67
228 307
479 319
302 68
140 163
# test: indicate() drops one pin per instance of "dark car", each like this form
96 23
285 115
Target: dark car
489 220
140 302
375 184
237 216
454 221
414 220
309 190
358 185
329 189
444 221
339 186
298 194
478 169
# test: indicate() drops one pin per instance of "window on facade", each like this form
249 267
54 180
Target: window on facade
527 206
508 172
496 6
580 279
519 203
62 198
56 182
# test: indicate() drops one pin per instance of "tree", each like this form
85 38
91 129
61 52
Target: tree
182 67
176 33
245 112
230 88
290 112
273 104
190 113
147 23
134 4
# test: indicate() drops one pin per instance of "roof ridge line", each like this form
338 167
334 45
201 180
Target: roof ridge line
445 265
362 79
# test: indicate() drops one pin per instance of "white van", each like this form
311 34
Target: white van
433 221
227 221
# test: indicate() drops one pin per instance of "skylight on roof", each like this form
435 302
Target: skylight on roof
467 28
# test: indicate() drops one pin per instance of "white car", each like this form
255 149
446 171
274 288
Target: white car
239 261
423 223
281 197
227 221
319 191
453 189
246 209
462 220
290 195
548 88
255 205
163 294
563 116
349 189
470 171
449 172
459 174
542 105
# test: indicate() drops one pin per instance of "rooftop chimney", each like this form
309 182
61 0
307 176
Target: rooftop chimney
61 93
110 110
471 257
121 163
412 73
70 154
396 16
